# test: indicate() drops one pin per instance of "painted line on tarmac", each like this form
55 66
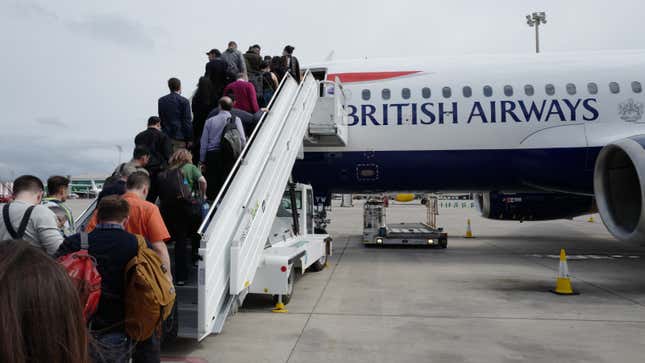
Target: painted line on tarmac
588 257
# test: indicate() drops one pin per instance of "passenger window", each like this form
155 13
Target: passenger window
425 92
529 90
508 91
488 91
405 93
385 93
614 87
447 92
468 92
549 89
366 94
637 87
592 88
571 89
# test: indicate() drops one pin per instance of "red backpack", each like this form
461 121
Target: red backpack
81 268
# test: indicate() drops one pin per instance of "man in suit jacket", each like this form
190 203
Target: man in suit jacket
291 63
175 115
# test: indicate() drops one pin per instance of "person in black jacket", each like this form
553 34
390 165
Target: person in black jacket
290 63
203 102
217 71
160 148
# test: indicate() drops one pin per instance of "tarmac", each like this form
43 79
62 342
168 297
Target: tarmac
484 299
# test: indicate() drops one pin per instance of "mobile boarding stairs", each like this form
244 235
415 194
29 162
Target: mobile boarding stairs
240 250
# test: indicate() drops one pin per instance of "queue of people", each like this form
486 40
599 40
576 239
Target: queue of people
179 164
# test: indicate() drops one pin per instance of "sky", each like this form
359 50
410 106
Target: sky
81 77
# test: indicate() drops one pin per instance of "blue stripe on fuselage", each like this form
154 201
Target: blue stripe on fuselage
567 169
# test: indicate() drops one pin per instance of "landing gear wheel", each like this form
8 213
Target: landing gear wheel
319 265
443 243
290 284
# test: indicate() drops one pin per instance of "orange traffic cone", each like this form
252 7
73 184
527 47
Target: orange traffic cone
563 282
469 231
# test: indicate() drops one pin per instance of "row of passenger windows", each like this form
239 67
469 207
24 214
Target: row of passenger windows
508 90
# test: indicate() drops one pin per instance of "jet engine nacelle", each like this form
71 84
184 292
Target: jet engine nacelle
619 185
532 206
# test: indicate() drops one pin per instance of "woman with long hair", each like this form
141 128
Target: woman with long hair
41 318
203 102
183 218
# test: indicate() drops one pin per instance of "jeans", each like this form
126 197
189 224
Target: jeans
115 347
148 351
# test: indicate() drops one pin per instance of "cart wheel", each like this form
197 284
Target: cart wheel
443 243
319 265
290 284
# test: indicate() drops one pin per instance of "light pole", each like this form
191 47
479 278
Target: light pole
119 148
534 20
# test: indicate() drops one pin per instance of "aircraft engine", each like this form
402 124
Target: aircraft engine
619 185
532 206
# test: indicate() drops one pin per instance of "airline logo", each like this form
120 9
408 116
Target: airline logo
483 112
631 111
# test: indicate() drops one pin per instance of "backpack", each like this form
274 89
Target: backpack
172 187
267 82
81 268
231 142
149 295
23 223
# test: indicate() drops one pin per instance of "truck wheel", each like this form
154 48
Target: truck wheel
319 265
290 285
443 243
319 230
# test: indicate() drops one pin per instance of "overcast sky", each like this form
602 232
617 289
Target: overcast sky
80 77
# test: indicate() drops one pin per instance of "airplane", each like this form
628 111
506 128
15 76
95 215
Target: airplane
536 137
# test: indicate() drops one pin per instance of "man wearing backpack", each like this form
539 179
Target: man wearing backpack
57 192
140 158
217 153
25 218
112 248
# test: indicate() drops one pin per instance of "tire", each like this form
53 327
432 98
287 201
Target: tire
443 243
291 284
319 230
319 265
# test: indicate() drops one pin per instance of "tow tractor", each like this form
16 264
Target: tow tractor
377 232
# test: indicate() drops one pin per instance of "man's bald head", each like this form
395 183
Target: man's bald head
226 103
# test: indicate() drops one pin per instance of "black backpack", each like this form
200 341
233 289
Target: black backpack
23 222
172 188
231 142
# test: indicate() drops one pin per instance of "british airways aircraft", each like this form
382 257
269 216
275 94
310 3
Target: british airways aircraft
537 137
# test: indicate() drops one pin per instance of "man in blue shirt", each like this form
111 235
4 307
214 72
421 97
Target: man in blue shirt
175 115
211 158
113 248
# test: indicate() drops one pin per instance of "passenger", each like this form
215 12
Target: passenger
145 219
277 67
182 216
235 60
61 219
140 159
114 185
160 148
244 93
57 192
253 61
25 218
217 72
267 58
211 157
291 64
113 248
269 84
174 112
203 103
40 312
249 120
